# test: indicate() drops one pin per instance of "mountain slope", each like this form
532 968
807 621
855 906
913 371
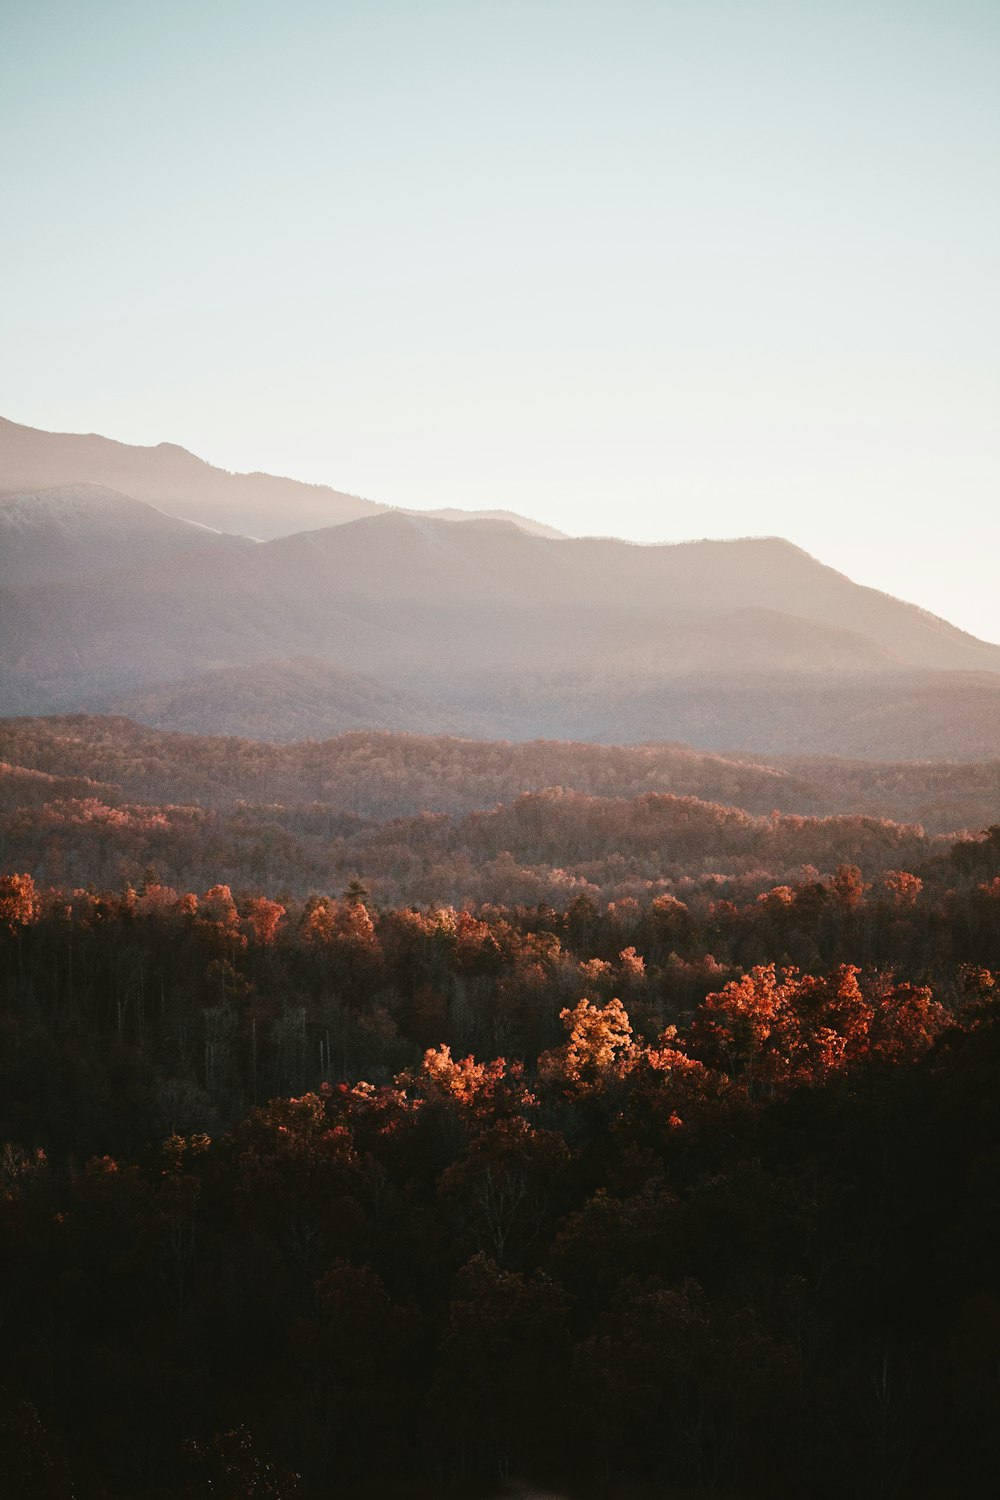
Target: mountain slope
76 529
479 617
174 480
291 699
409 569
410 622
910 715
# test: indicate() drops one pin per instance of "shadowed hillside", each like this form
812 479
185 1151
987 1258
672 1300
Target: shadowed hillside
292 699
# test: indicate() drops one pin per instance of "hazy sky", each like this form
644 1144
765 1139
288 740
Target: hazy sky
659 270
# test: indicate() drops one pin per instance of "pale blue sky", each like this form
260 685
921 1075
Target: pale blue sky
660 270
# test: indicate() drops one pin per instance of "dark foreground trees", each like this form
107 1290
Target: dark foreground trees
300 1197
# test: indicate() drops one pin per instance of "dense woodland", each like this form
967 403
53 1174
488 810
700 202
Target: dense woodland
457 822
680 1173
382 775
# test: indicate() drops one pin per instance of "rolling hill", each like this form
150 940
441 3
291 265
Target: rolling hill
383 775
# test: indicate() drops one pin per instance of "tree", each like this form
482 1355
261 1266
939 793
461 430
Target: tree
501 1189
19 901
599 1047
503 1368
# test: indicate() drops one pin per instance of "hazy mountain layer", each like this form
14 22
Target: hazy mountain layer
413 623
64 533
305 697
913 715
174 480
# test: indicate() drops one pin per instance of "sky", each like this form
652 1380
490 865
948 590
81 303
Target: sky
654 270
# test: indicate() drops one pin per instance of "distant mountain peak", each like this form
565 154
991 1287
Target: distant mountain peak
180 483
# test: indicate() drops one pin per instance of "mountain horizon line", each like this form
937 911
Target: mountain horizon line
242 502
37 460
129 583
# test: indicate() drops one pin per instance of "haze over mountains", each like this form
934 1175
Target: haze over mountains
108 603
174 480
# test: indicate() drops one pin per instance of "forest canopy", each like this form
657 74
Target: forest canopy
611 1135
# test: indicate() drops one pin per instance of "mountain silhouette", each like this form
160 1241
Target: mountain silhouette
411 622
175 481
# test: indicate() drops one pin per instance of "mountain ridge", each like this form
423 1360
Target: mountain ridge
408 621
170 477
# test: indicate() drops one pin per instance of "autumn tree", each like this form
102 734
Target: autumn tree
599 1047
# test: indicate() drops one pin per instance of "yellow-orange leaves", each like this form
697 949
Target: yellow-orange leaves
599 1046
19 903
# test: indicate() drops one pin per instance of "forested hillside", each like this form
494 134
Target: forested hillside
385 775
302 1198
392 1114
540 822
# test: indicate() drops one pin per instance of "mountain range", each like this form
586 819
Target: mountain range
176 481
113 601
